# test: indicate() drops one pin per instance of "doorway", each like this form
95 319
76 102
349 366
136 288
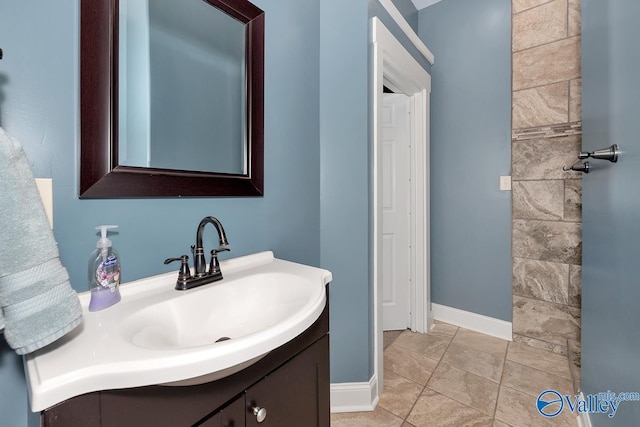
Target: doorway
395 68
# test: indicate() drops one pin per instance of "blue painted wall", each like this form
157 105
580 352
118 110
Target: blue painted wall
39 106
610 291
470 150
344 183
408 11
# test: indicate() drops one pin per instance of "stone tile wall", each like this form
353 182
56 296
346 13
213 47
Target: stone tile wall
546 124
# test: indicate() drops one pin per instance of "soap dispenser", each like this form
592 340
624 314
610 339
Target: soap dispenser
104 272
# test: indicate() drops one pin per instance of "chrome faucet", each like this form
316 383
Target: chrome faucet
201 275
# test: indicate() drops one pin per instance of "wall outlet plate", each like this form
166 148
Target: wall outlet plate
505 183
45 187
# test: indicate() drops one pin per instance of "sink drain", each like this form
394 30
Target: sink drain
222 339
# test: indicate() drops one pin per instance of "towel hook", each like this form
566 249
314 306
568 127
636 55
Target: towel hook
610 153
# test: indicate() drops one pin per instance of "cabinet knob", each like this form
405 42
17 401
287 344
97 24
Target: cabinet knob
260 413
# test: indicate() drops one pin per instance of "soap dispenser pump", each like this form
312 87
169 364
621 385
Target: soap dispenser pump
104 272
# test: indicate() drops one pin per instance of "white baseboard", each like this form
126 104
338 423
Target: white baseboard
475 322
583 417
354 397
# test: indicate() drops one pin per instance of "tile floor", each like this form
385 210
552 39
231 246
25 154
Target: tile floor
457 377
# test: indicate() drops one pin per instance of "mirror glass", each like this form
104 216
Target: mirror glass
181 91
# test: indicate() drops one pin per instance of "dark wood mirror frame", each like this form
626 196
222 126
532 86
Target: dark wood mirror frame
100 174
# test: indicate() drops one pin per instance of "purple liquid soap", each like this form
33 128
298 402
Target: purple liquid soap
102 298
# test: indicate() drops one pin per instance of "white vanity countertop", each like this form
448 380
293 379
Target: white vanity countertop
108 352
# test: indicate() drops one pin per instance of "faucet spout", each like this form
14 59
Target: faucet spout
217 224
200 263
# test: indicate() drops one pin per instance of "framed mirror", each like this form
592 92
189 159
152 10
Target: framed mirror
171 98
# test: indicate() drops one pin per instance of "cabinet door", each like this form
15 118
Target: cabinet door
296 394
213 421
232 415
81 411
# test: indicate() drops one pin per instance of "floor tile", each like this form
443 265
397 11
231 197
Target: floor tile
414 366
441 328
482 342
519 409
475 361
378 418
471 380
543 360
399 394
533 381
434 409
388 337
465 387
431 345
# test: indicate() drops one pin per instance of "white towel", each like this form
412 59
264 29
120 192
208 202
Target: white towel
37 303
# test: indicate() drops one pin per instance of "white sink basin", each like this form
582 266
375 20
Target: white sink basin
157 335
237 308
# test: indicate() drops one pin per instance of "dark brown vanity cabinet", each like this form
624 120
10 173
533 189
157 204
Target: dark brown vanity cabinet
290 384
291 395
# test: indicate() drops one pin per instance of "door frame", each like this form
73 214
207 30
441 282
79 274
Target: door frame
394 67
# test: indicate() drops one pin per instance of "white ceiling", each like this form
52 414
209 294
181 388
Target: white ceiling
421 4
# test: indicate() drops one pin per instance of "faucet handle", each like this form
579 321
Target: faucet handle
214 265
185 273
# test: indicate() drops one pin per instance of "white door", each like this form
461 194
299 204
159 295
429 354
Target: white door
395 206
